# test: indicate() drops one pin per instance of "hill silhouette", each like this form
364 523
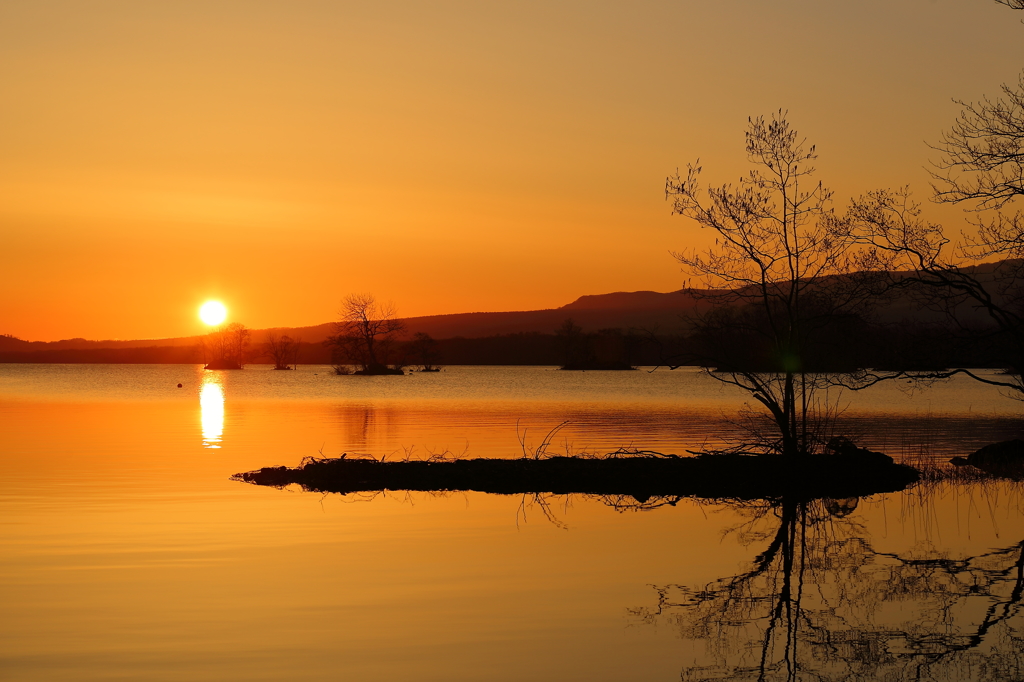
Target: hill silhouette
662 314
647 309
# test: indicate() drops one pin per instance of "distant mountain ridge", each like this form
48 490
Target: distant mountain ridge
663 313
647 309
635 300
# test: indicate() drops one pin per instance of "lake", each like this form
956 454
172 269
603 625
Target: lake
129 554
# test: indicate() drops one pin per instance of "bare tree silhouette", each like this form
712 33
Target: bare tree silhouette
787 297
366 335
226 347
283 350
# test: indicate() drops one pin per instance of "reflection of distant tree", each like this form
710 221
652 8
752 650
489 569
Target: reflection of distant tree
359 422
819 603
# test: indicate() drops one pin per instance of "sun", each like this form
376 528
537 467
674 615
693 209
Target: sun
213 313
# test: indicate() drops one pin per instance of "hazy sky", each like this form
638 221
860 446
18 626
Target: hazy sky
448 156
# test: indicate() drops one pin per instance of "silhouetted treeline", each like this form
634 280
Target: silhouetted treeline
503 349
837 345
733 340
543 349
526 348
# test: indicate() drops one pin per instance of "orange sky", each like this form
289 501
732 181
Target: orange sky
448 156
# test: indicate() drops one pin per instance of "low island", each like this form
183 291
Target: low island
851 473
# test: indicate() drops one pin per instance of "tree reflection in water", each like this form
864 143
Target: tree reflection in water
819 603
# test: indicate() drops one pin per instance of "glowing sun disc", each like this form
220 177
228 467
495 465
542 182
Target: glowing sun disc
213 313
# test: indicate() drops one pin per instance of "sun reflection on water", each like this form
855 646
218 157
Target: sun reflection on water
211 406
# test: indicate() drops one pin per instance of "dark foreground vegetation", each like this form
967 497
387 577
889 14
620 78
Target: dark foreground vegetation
850 473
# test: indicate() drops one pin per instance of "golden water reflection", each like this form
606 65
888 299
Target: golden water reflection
211 407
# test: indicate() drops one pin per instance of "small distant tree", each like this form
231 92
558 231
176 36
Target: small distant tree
423 350
227 347
366 335
574 343
283 350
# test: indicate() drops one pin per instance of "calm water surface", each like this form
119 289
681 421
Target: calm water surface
128 554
